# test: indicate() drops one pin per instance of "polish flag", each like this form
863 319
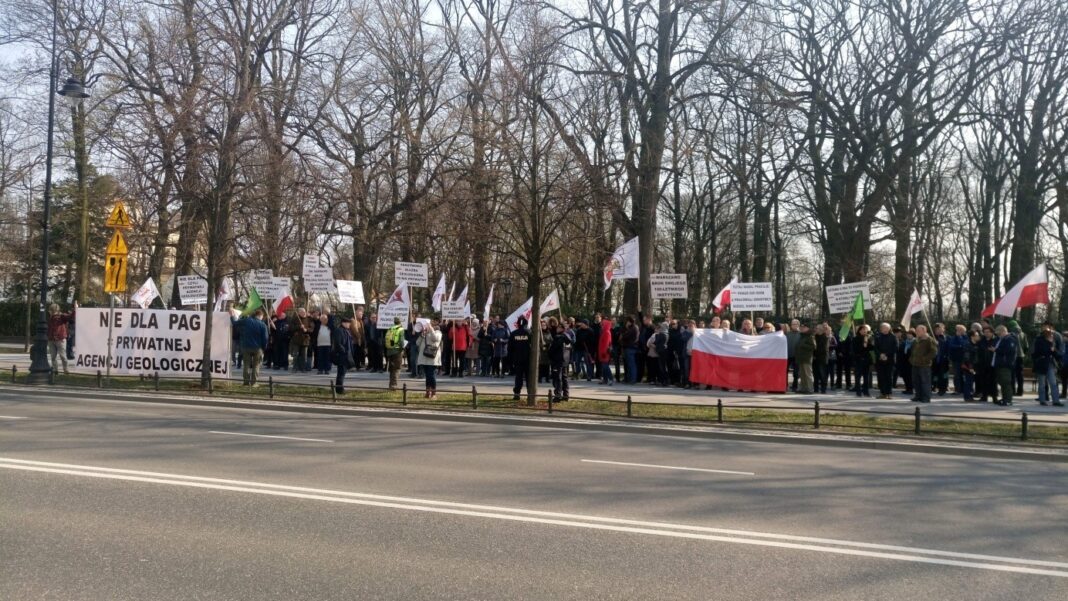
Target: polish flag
1032 290
283 304
727 359
724 297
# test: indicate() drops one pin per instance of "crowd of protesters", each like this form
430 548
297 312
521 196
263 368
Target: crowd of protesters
979 363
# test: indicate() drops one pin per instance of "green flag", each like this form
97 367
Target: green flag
858 307
857 312
254 302
847 324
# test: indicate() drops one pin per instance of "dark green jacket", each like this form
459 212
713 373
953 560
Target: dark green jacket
923 352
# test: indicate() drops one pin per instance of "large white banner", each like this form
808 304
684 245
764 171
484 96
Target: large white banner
150 340
840 298
192 289
411 274
668 285
751 296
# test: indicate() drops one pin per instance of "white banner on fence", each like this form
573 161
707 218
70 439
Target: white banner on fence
192 289
453 310
840 298
410 274
147 341
752 296
350 291
319 279
668 285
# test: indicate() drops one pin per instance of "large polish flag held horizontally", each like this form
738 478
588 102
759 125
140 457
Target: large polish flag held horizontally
727 359
1033 289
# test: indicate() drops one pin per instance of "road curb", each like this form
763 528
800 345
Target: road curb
937 447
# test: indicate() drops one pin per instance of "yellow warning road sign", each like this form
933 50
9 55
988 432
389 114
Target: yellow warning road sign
119 217
115 273
117 246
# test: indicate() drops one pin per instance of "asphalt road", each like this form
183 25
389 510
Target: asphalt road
119 500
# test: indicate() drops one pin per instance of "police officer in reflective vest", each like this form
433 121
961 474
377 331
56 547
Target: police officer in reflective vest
519 354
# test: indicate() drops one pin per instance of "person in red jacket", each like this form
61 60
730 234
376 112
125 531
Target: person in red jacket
604 354
461 338
57 333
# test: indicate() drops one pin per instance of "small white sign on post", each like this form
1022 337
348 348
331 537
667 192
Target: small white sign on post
192 289
274 289
668 285
411 274
349 291
319 279
840 298
452 310
752 296
310 262
262 279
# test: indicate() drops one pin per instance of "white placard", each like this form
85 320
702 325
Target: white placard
275 289
319 279
261 279
150 340
840 298
752 296
668 285
387 312
411 274
310 262
453 310
192 289
349 291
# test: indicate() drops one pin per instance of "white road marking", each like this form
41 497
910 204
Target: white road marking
669 467
270 436
783 541
11 417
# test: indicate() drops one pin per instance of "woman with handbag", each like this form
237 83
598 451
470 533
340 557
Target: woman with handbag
430 356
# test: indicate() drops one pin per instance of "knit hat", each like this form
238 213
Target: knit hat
1013 325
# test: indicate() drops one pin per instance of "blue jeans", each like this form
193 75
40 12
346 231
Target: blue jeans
967 381
413 358
431 373
1050 378
630 357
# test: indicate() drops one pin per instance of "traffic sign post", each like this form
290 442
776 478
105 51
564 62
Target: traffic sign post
115 259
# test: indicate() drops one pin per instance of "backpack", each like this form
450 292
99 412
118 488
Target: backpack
393 341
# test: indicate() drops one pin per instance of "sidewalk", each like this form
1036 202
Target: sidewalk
949 406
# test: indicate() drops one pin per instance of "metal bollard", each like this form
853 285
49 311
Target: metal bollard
474 397
916 426
270 387
719 411
52 376
1023 426
629 405
155 380
404 394
333 391
816 416
211 384
99 379
549 400
14 370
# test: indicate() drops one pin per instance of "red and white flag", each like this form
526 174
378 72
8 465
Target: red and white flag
551 303
727 359
1032 290
525 310
624 263
145 294
283 304
915 306
439 294
724 297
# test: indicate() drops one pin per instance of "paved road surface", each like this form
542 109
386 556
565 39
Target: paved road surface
643 393
118 500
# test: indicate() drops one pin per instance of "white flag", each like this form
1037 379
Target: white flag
489 303
145 294
398 305
523 311
551 303
452 292
463 295
439 294
467 309
915 306
225 293
624 263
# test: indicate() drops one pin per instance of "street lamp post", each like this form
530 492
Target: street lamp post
74 92
506 288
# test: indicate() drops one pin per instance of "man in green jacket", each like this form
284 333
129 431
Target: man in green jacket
806 350
924 350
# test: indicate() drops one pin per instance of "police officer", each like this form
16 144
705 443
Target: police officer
559 357
519 355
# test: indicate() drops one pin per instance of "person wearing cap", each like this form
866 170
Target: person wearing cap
1023 348
519 352
341 352
394 351
803 354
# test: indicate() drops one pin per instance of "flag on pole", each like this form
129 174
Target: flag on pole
624 263
1032 290
489 303
145 294
724 297
915 306
467 309
857 312
452 292
225 293
551 303
525 310
463 295
439 294
284 304
254 302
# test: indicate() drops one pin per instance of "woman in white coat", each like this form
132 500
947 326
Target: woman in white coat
430 356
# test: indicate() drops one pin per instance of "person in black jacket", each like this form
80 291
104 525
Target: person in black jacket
862 350
885 344
519 352
969 359
559 356
1005 352
985 374
843 361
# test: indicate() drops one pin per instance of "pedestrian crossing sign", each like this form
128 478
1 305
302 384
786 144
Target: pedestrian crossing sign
119 217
